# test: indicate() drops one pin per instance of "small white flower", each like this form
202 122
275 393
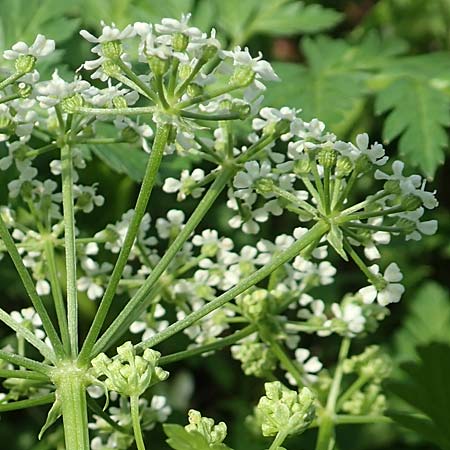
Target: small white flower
172 26
390 290
351 314
40 47
186 185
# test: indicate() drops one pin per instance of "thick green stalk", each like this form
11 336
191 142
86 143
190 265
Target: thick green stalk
134 306
71 391
148 182
31 289
70 248
58 298
318 230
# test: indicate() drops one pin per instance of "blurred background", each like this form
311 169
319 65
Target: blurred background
376 66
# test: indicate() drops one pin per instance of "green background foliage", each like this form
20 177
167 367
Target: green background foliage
381 67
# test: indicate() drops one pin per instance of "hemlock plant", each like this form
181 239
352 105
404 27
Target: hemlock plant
171 89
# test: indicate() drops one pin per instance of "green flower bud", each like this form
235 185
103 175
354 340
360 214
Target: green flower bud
129 374
158 66
213 434
71 104
256 305
363 164
371 364
120 102
286 411
180 42
344 166
112 49
255 357
242 76
264 185
411 202
370 401
25 64
6 125
327 157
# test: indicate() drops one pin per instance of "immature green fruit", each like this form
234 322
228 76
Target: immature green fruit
408 225
302 166
242 76
209 52
25 64
24 90
411 202
344 166
158 66
112 49
327 157
264 185
111 68
241 109
194 90
180 42
72 104
120 102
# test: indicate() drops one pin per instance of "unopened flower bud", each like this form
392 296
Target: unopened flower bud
242 76
25 64
72 104
242 109
180 42
112 49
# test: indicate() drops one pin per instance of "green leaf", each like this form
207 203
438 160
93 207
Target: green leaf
419 114
180 439
428 320
241 20
53 415
426 389
122 159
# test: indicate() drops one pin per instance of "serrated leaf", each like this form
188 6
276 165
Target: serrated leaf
294 18
426 389
419 114
122 159
180 439
428 320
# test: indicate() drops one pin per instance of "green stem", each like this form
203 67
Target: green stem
23 361
58 299
183 86
136 80
134 307
31 289
161 91
295 200
350 420
71 392
357 384
70 247
148 182
11 79
96 409
28 335
216 345
136 420
318 230
279 439
8 98
40 151
216 117
326 426
137 110
23 374
25 404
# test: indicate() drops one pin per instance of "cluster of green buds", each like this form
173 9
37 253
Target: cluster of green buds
129 374
285 411
256 358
